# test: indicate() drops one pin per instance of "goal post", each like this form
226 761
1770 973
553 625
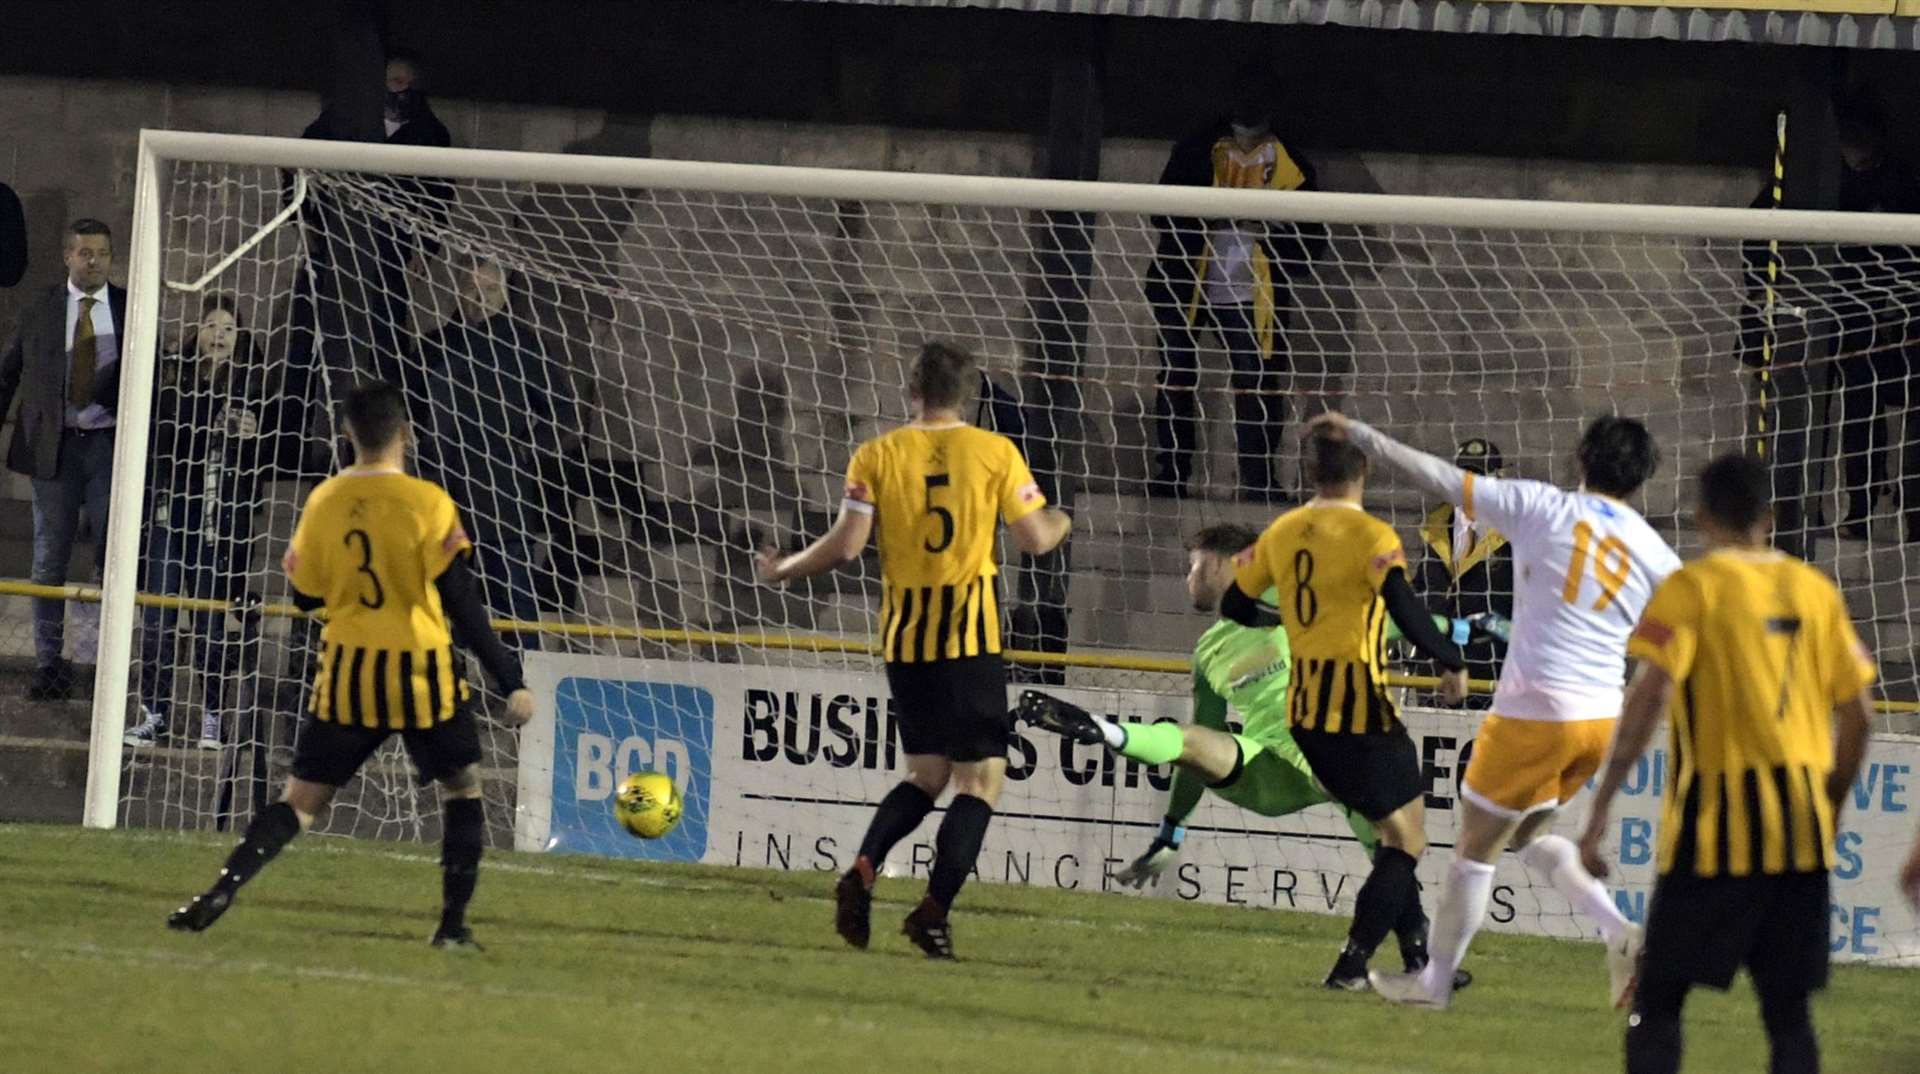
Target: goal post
632 373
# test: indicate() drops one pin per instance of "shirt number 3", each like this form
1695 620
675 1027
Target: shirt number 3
1611 564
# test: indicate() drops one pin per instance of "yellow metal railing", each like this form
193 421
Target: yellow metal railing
814 643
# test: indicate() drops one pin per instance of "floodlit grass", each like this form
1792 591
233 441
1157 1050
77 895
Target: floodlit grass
594 965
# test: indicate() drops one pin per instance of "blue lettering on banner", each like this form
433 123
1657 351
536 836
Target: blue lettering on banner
1854 929
1846 847
1636 841
1632 904
605 730
1881 786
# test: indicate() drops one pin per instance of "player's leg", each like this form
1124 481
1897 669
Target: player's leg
977 731
269 833
1272 779
976 791
1788 963
1653 1030
1214 755
1379 777
448 753
1462 908
916 696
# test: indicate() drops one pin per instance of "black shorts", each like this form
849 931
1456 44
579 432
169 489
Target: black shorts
331 753
1700 931
954 708
1373 775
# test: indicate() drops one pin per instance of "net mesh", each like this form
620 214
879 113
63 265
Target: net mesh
627 390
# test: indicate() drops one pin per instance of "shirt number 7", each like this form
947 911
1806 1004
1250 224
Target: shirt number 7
1611 565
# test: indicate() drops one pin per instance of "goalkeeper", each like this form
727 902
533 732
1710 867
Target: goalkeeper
1259 769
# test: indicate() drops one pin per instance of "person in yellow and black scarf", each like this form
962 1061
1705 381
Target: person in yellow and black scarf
1231 276
1467 572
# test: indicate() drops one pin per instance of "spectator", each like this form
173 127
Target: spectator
1231 276
62 364
207 456
496 418
13 237
357 291
1467 572
1872 361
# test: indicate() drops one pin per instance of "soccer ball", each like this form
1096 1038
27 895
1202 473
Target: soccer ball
648 804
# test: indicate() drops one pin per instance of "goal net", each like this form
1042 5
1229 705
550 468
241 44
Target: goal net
632 374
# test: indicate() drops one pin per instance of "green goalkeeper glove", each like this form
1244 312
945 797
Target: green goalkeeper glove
1159 857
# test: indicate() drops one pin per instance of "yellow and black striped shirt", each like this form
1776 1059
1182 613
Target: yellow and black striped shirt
1760 650
1328 561
371 543
937 493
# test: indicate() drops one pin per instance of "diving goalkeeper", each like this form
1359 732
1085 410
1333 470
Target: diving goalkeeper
1260 769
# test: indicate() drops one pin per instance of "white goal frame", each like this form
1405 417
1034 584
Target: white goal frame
159 149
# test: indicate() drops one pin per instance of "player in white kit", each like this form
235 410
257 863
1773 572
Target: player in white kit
1586 565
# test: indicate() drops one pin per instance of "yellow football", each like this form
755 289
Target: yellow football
648 804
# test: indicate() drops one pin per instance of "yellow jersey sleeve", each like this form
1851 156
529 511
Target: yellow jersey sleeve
1669 630
1384 553
1852 664
445 538
1020 495
304 563
863 479
1252 567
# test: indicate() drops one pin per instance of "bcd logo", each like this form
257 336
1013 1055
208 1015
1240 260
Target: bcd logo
604 731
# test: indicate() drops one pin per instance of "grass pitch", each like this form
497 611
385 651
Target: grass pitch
598 965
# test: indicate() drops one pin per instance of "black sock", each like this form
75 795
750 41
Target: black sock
465 824
272 829
1792 1045
1653 1030
1411 929
957 847
1381 900
900 812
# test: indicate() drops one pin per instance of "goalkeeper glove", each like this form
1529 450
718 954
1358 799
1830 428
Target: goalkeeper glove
1158 858
1492 625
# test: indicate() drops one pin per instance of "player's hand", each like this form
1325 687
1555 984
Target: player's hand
1330 419
1159 857
1453 686
1590 857
1910 878
766 564
520 707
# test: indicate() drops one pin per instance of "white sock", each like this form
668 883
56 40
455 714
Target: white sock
1556 858
1463 906
1116 735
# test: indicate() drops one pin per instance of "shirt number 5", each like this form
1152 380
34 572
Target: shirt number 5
1611 564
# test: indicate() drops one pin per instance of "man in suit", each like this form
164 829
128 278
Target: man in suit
63 365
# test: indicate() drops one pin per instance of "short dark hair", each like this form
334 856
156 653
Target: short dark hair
87 225
941 375
1617 455
411 57
1736 491
375 414
1332 459
1225 539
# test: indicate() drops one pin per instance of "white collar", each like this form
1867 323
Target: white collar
74 291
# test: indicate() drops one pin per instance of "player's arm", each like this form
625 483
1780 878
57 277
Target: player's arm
473 629
1039 532
1417 623
1640 716
1434 475
1035 527
1910 874
836 548
1852 727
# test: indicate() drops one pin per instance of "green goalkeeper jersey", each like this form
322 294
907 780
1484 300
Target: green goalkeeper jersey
1248 668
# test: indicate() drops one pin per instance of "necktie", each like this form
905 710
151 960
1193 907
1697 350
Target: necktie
85 354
